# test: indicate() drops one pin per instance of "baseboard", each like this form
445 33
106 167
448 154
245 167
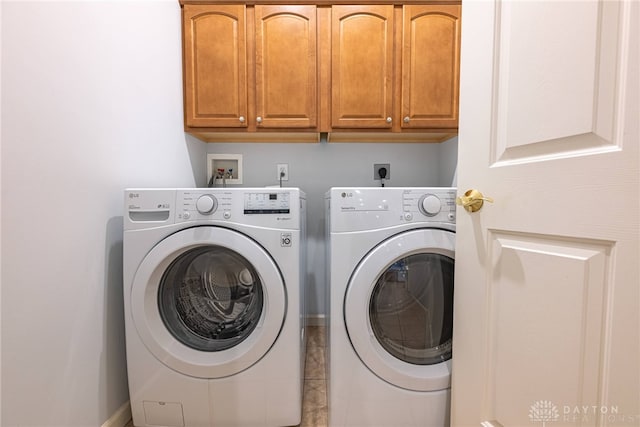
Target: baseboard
316 320
120 418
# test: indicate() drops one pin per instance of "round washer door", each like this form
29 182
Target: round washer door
208 302
398 309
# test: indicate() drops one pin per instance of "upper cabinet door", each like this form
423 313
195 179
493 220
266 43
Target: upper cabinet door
286 67
215 73
362 66
430 66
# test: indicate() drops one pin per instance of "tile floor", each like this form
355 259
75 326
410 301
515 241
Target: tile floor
314 401
314 405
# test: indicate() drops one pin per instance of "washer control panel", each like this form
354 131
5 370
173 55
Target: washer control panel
200 204
276 202
251 206
261 207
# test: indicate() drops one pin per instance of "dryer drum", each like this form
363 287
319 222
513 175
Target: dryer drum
411 308
210 298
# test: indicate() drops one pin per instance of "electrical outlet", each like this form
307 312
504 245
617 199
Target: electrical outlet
376 171
283 171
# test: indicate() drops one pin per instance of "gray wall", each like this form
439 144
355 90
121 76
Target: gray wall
449 163
317 167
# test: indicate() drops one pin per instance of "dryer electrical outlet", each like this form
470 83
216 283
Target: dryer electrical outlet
283 171
378 174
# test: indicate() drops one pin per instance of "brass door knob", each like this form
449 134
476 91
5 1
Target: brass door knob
472 200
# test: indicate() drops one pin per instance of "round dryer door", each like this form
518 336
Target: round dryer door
399 309
208 302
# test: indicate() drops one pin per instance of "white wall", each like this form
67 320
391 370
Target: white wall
317 167
91 104
0 209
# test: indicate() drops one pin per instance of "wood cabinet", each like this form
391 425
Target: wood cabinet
263 68
430 66
286 66
253 69
419 92
362 66
215 70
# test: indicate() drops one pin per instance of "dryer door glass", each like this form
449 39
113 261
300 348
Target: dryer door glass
210 298
411 308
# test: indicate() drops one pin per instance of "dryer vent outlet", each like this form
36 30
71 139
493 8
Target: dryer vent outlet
381 171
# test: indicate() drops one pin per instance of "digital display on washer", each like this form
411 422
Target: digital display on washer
267 203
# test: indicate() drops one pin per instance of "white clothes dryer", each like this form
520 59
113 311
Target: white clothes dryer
391 271
213 297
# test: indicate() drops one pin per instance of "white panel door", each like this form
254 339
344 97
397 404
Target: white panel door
547 300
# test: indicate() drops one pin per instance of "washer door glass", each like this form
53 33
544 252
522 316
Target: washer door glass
210 298
208 302
411 308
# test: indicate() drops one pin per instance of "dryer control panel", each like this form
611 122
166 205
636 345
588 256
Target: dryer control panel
369 208
437 204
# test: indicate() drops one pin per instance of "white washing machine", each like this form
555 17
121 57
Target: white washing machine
391 270
213 293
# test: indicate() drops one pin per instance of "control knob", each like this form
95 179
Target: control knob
430 205
206 204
